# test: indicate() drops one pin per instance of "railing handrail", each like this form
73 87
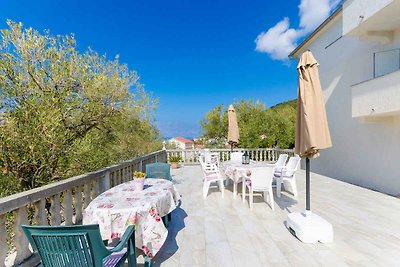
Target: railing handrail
15 201
191 156
228 149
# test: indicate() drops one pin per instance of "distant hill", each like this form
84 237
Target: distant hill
290 103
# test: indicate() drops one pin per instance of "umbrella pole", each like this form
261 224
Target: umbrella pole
308 198
231 147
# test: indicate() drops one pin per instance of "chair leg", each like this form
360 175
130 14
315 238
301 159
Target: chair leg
271 199
243 191
293 186
234 189
265 196
205 189
147 261
278 187
221 187
131 252
165 221
251 198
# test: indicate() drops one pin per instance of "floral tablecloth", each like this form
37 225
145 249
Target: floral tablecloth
121 206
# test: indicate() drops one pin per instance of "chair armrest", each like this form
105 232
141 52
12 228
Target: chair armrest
124 239
285 171
211 172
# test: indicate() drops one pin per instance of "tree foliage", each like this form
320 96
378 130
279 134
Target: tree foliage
64 112
259 127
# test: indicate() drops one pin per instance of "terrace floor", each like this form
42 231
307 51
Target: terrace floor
224 232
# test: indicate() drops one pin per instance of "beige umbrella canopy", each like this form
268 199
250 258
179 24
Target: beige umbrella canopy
233 129
312 132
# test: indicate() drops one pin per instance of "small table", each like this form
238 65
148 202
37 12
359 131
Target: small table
235 171
121 206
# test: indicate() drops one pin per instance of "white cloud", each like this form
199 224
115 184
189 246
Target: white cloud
280 40
313 12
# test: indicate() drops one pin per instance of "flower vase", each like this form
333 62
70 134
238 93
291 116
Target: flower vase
139 184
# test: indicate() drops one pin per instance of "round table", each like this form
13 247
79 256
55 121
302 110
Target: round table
121 206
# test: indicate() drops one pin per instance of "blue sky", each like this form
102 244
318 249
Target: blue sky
192 55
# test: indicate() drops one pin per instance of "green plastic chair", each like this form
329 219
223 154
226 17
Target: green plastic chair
79 246
158 170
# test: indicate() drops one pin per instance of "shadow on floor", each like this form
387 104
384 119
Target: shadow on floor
286 201
170 247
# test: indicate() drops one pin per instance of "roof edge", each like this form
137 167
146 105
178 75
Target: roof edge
317 30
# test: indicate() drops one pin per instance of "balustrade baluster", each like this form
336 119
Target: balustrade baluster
67 206
20 241
123 175
55 210
3 239
86 194
112 175
40 216
117 177
93 191
130 172
127 173
78 204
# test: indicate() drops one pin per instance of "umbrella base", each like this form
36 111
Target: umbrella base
309 228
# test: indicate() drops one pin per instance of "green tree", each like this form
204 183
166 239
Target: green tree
215 125
259 127
65 112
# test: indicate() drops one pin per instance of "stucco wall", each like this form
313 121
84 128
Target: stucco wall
365 154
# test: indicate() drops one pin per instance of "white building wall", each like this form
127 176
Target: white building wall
356 12
365 154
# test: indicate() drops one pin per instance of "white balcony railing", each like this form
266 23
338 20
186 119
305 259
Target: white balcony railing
377 99
58 203
191 156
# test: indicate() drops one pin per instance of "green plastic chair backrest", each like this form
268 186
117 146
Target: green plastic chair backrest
158 170
76 246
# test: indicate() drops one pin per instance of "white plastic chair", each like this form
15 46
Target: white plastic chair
236 156
260 180
287 176
209 157
280 162
211 174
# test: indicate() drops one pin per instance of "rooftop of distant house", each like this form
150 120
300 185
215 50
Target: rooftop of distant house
183 140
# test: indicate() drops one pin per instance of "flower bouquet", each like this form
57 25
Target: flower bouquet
138 179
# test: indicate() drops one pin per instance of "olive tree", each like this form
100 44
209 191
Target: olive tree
62 109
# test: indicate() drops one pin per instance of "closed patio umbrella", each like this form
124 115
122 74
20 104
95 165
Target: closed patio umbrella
312 135
312 132
233 129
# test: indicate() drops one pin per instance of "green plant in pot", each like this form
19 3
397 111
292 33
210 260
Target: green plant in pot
138 174
174 161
